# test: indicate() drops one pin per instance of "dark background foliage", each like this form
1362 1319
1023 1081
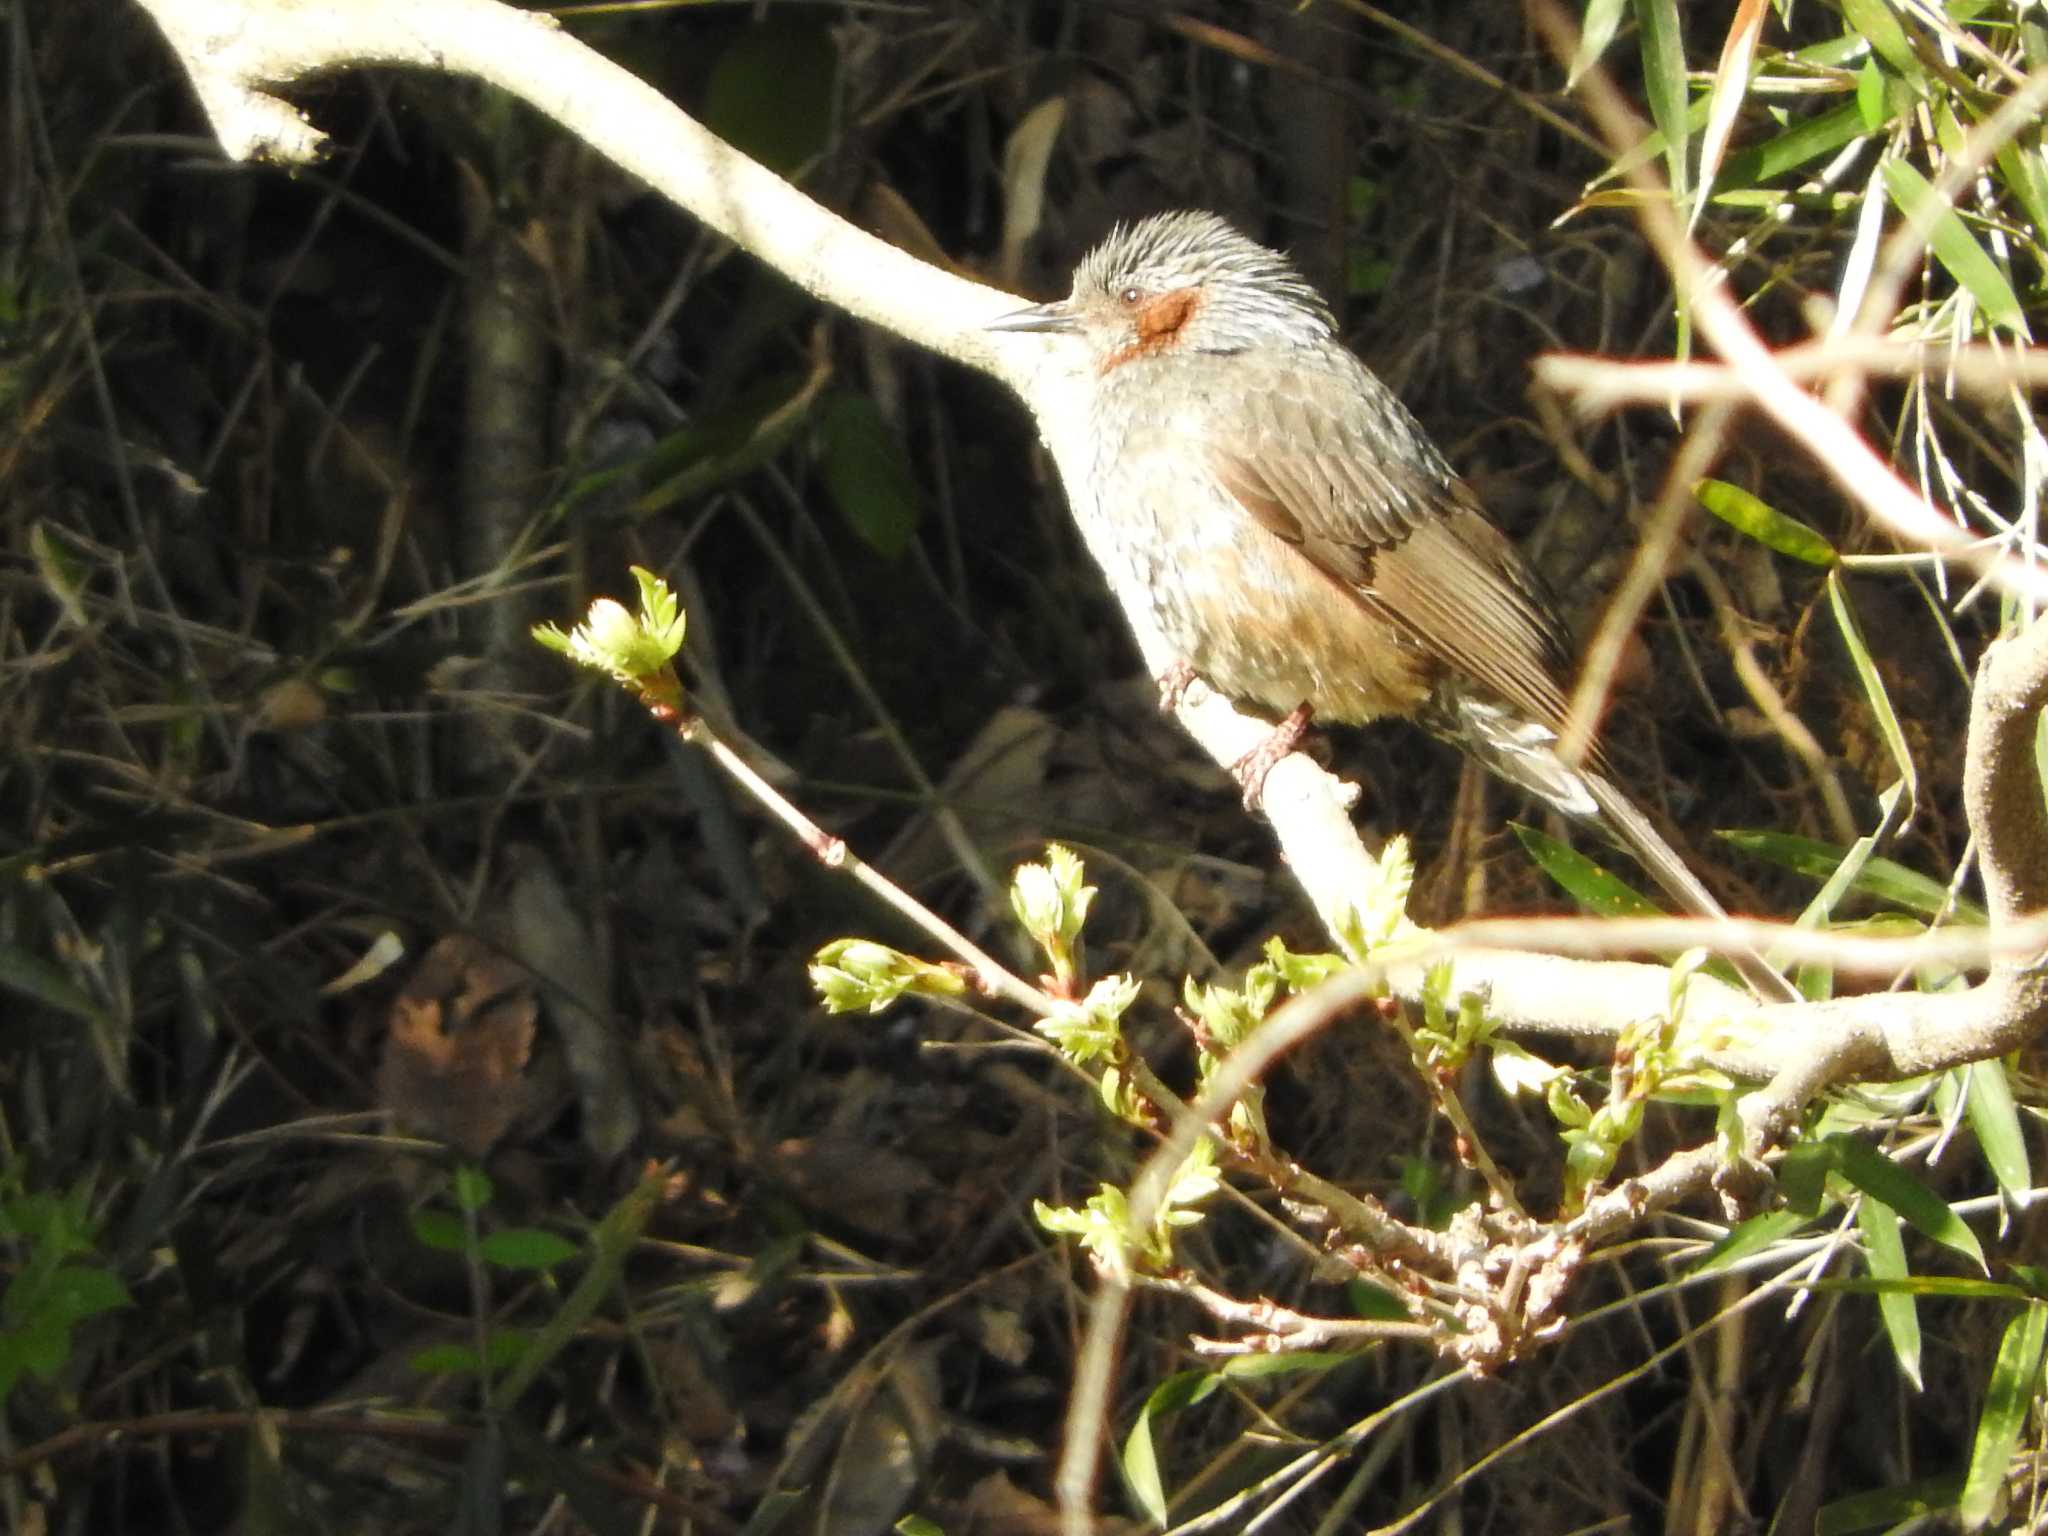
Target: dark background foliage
293 459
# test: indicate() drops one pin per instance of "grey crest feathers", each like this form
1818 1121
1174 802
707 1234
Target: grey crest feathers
1253 296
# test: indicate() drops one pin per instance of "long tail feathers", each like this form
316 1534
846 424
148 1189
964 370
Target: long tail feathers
1679 882
1524 752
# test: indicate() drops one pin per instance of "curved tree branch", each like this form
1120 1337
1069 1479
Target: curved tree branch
236 51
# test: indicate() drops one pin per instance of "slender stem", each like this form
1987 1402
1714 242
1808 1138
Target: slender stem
832 852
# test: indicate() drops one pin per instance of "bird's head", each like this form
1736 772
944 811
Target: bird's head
1179 283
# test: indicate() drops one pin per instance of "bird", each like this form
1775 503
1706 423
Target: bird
1261 500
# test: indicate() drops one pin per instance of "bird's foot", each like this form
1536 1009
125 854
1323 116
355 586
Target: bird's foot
1173 684
1250 770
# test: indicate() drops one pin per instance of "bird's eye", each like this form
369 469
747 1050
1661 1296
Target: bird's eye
1131 296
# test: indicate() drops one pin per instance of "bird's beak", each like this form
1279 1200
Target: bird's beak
1055 316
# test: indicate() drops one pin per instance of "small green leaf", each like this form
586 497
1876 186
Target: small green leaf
1764 523
440 1229
527 1248
63 572
2015 1380
75 1292
917 1525
443 1360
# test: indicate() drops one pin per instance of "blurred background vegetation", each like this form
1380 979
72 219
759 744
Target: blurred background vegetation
320 885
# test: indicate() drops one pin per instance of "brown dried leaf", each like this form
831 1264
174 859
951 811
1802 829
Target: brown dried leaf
457 1045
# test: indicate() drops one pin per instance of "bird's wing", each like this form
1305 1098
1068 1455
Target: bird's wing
1334 465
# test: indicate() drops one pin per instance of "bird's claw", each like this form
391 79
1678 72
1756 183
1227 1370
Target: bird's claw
1174 683
1250 770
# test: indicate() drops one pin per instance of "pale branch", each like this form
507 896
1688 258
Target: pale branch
1893 1035
238 51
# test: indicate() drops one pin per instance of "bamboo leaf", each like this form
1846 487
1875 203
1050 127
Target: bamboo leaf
1954 246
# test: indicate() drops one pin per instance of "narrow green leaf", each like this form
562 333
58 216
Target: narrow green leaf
1593 887
34 977
1663 49
1874 21
2041 752
1603 19
1953 1287
527 1248
1140 1463
867 472
1584 881
917 1525
1870 95
1995 1118
1266 1367
1873 688
1765 523
1882 1179
719 447
1807 140
1803 1177
65 575
2023 171
1954 246
1883 1508
2015 1379
442 1360
1886 1255
1882 879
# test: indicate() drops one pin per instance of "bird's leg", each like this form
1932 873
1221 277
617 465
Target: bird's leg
1250 770
1173 683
